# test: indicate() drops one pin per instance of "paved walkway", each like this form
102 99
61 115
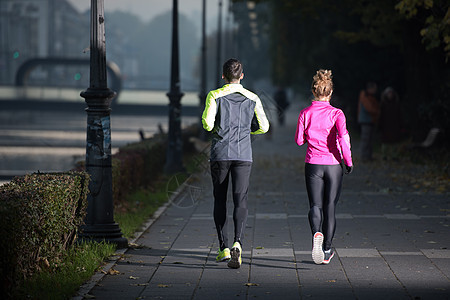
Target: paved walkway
391 242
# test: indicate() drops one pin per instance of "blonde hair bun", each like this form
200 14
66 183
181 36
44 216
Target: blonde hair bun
322 85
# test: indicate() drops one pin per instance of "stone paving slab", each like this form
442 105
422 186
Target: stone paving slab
389 245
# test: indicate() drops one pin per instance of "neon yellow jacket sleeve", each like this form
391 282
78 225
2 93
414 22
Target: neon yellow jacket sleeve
261 117
209 114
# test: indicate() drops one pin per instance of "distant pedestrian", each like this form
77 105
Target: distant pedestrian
390 123
323 127
282 102
368 113
232 113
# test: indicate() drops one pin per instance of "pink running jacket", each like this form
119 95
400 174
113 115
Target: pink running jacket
323 127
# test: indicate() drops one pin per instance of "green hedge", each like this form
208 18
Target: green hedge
138 165
39 217
40 213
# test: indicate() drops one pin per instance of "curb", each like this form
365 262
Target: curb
83 291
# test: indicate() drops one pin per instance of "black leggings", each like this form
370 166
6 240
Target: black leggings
240 176
323 184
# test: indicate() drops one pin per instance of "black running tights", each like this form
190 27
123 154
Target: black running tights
240 176
323 184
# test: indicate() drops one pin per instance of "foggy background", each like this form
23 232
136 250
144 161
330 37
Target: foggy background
400 44
138 39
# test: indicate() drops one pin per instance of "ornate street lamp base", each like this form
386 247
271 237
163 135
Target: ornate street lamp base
103 232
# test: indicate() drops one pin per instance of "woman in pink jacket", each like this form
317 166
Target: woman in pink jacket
323 127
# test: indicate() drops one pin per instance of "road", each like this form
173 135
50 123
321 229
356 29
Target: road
51 136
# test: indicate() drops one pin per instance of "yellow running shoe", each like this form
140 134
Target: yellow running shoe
223 255
236 253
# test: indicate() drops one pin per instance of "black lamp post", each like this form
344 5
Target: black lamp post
219 45
99 222
202 94
174 161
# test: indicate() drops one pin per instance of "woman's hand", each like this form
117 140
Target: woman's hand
348 169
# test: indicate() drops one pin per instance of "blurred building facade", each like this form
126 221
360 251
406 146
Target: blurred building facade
40 28
53 28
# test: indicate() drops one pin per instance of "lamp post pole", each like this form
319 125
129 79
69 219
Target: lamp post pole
99 222
174 161
202 94
219 45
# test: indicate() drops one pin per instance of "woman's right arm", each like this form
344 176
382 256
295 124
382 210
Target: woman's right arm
344 139
300 133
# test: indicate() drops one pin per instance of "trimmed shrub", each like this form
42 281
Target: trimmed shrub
39 217
138 165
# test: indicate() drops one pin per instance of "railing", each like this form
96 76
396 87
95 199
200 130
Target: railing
60 94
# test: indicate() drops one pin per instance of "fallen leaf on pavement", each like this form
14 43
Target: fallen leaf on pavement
163 285
251 284
132 277
113 272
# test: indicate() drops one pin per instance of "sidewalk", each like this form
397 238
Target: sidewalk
391 242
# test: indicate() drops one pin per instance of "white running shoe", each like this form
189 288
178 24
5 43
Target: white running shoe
317 251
